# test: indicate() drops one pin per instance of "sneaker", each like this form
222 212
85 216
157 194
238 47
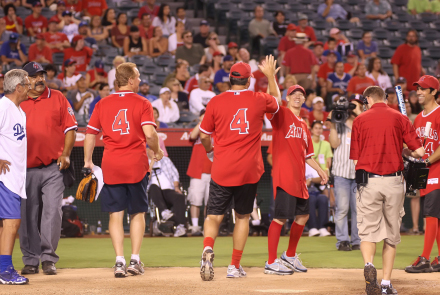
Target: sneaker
421 265
180 231
120 270
234 272
49 268
435 264
166 214
206 269
156 231
355 247
277 268
372 286
344 246
11 277
313 232
323 232
196 231
135 267
293 263
388 289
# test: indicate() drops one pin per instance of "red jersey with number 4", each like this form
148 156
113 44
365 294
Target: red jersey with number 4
121 116
236 117
292 145
431 145
199 162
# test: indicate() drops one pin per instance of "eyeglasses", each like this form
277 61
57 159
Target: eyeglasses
188 36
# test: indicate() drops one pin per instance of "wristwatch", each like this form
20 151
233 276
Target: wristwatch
427 162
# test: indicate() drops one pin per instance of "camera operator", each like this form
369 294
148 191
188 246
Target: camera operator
376 150
344 171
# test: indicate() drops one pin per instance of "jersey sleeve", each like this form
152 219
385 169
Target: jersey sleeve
309 151
147 117
272 105
207 126
94 126
67 116
354 145
410 136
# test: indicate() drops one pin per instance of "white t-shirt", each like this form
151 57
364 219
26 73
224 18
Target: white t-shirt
83 113
67 82
70 31
13 146
167 115
165 182
199 99
111 78
383 81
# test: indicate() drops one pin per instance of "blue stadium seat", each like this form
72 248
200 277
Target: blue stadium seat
428 62
320 25
139 60
164 60
150 69
392 25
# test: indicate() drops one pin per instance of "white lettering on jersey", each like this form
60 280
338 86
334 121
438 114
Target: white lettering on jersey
433 181
432 133
295 131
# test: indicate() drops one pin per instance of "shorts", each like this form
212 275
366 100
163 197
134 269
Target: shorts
222 198
10 203
430 204
198 191
130 196
288 206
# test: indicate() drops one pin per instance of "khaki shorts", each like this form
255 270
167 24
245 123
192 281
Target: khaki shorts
380 209
198 190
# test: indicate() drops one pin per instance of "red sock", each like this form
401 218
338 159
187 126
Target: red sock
295 234
273 237
208 242
438 237
236 257
430 236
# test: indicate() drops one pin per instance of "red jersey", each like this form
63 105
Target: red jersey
48 118
74 6
35 53
312 117
286 44
324 71
81 57
261 81
199 162
36 24
409 60
146 33
192 84
236 117
94 7
300 60
347 67
358 85
146 9
292 145
121 116
432 144
309 31
54 38
10 25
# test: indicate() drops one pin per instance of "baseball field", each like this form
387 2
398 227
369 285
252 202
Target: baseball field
171 268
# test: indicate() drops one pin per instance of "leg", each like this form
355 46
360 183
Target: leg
8 235
273 238
388 255
239 237
116 229
355 240
211 227
195 213
415 211
295 234
313 222
368 250
342 203
196 192
137 230
430 235
438 237
330 19
155 193
177 202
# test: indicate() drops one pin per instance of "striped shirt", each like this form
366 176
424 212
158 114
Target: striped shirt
342 165
166 172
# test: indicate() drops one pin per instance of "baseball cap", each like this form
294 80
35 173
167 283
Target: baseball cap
319 43
13 37
217 53
232 45
318 99
53 19
291 27
389 90
76 38
99 66
163 90
401 80
204 23
334 31
294 88
134 29
39 36
351 54
427 81
228 58
240 70
38 4
143 82
61 3
332 52
32 68
67 12
69 62
357 97
82 24
302 16
301 37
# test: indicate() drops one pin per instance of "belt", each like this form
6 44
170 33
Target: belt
44 166
398 173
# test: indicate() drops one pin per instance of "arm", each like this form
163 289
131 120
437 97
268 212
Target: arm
222 86
206 141
326 10
435 156
312 163
77 105
126 48
269 159
23 57
330 88
69 140
195 133
269 69
144 46
30 32
396 71
25 4
115 43
153 141
333 138
362 54
203 60
89 145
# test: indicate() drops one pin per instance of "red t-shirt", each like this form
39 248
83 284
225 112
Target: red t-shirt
146 9
94 7
54 39
300 60
409 60
432 144
199 162
347 67
358 85
36 24
121 116
81 57
309 31
312 117
74 7
147 34
192 84
35 53
48 118
10 25
92 75
261 81
324 71
377 139
236 117
286 44
292 145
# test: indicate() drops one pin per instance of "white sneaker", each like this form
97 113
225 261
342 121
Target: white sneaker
233 272
313 232
277 268
293 262
206 268
323 232
166 214
196 230
180 231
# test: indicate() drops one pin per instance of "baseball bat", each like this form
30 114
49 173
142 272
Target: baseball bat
401 100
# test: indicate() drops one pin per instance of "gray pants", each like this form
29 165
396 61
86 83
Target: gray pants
41 215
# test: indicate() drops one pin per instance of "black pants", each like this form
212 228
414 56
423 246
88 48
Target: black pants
169 199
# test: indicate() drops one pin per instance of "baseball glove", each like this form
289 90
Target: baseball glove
87 187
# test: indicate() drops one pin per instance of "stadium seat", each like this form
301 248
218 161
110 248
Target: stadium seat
392 25
401 2
186 117
132 13
388 69
320 24
154 89
47 13
159 78
433 52
417 25
431 34
403 16
369 25
164 60
58 58
380 34
268 45
150 69
436 25
243 32
272 7
355 34
428 17
139 60
345 25
221 8
385 52
393 42
428 62
424 44
127 5
247 7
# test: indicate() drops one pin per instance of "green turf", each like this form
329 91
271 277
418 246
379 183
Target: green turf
156 252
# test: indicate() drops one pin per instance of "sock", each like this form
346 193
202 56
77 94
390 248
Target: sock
236 257
136 257
195 221
256 222
438 237
273 237
369 263
120 259
295 234
208 242
5 261
430 236
385 283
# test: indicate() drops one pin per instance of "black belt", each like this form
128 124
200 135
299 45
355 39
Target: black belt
398 173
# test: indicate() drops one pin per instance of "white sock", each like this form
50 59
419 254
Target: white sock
120 259
255 222
385 283
369 263
195 221
135 257
206 248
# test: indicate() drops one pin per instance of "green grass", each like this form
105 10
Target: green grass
185 252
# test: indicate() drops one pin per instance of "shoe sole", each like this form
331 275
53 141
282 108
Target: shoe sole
134 271
424 270
234 277
29 273
13 283
206 270
372 286
50 273
292 267
274 272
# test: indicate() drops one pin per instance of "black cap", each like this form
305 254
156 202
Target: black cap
32 68
401 80
389 90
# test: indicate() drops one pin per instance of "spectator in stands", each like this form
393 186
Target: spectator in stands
308 104
51 80
322 149
325 70
340 38
392 99
332 12
92 8
332 46
318 51
259 28
360 82
75 6
14 23
109 18
61 7
416 108
146 28
84 31
97 75
39 51
112 73
352 62
79 52
13 52
318 113
279 26
134 44
290 80
81 98
103 91
176 39
201 96
261 81
213 43
407 60
200 38
4 35
69 77
97 31
13 2
158 44
221 78
144 90
168 109
337 82
303 27
287 42
70 28
151 8
165 20
181 73
156 119
367 48
216 64
120 31
233 51
419 6
378 9
193 53
179 96
378 75
181 17
245 57
56 40
411 117
193 82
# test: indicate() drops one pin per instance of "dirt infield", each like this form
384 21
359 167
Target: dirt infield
187 281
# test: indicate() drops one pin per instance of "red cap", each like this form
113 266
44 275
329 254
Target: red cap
217 53
54 19
77 38
243 69
39 36
319 43
232 45
294 88
291 27
428 81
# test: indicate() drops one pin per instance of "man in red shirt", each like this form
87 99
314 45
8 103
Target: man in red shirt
193 82
51 133
303 27
360 82
79 53
427 88
236 117
376 148
94 7
36 23
287 42
151 8
39 51
292 148
326 69
127 124
146 29
61 7
56 40
407 60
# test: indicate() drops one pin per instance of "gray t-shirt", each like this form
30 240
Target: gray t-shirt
56 81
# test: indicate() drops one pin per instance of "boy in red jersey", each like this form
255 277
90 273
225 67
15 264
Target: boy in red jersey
427 88
292 148
127 124
236 117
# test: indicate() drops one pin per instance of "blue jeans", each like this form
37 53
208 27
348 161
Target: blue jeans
318 202
345 197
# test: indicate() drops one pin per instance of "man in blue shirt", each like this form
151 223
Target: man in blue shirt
221 78
104 91
337 82
13 51
332 12
144 90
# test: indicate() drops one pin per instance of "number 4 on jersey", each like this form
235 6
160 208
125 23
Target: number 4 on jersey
240 122
121 123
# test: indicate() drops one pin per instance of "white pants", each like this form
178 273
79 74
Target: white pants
198 190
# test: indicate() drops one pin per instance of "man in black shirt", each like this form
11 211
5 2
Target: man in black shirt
200 38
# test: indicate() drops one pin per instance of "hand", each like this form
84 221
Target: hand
63 162
89 165
4 166
269 66
88 94
341 91
323 175
18 62
314 85
177 189
14 17
158 156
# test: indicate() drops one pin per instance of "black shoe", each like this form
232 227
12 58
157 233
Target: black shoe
435 264
419 266
49 268
372 287
388 289
344 246
355 247
29 270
